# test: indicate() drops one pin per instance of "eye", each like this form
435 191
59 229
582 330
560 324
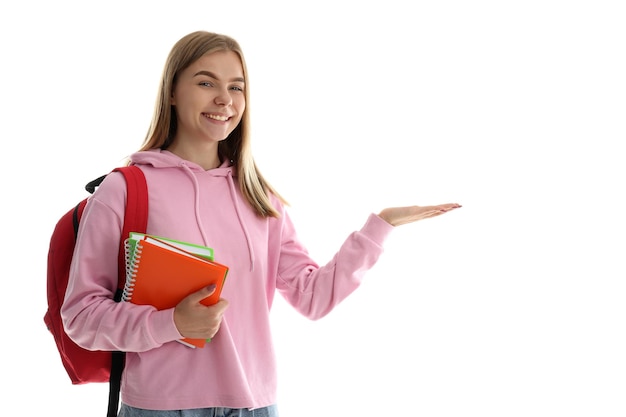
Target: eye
205 84
237 88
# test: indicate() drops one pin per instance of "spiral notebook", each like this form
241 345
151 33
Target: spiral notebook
203 251
161 274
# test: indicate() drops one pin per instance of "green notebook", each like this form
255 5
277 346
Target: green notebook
200 250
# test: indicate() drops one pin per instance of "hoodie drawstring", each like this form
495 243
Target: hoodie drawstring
233 195
196 188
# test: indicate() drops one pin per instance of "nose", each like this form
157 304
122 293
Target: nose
223 97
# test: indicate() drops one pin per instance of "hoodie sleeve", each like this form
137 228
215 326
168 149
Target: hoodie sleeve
90 316
313 290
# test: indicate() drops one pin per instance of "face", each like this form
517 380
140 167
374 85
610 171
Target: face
209 98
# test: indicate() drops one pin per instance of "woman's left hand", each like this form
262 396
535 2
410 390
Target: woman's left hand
397 216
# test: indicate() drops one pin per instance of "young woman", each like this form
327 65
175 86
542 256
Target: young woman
205 188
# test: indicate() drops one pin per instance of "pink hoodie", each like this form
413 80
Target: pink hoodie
237 368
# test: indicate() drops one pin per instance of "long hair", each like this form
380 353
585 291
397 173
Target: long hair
236 147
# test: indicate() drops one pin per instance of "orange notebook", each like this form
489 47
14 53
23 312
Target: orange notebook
161 275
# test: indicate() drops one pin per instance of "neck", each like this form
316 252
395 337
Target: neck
205 156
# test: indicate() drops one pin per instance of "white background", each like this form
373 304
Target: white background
513 305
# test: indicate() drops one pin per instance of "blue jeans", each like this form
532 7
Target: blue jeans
128 411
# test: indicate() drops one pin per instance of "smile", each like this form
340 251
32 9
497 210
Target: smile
216 117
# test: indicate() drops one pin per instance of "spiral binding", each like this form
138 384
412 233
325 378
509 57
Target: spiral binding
132 255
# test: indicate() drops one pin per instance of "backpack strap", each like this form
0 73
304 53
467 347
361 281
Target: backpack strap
135 220
135 216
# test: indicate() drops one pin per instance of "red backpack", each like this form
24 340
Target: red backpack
85 366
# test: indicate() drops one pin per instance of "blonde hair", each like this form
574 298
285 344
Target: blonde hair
236 147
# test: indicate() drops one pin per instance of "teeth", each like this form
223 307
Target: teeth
216 117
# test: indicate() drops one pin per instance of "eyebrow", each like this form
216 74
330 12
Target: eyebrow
210 74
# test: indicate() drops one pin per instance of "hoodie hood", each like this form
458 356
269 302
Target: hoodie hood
165 159
158 158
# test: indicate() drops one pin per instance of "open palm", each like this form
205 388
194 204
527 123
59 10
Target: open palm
397 216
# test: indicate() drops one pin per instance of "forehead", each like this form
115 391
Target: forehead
223 64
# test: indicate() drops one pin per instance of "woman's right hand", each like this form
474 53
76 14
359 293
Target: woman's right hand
197 321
